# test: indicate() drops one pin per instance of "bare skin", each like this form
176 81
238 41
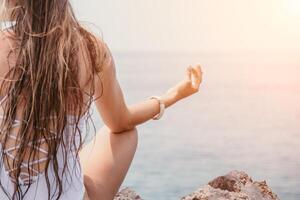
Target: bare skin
119 117
106 160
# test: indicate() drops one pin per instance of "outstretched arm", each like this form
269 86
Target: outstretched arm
118 116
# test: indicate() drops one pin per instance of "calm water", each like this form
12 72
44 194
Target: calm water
246 117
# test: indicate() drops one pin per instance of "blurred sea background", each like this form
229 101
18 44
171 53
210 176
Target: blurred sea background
247 114
242 119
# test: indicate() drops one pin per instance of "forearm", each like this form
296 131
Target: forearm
119 117
146 110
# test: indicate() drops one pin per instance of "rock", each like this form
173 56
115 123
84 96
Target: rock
235 185
127 194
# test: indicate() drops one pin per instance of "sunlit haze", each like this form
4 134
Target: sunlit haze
232 26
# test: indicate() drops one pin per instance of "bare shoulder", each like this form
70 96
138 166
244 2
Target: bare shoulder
6 37
108 64
7 44
4 42
98 49
7 58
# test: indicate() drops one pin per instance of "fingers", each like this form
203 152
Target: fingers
197 71
189 73
196 76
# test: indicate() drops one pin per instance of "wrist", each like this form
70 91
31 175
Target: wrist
162 107
169 98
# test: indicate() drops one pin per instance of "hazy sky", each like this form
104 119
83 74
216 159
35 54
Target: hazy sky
196 25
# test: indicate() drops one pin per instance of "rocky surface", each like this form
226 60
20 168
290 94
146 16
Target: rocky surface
235 185
127 194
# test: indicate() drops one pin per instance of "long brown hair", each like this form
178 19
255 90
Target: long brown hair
44 82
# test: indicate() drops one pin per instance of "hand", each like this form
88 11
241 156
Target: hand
189 86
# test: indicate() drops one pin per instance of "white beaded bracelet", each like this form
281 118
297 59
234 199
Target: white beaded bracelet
162 107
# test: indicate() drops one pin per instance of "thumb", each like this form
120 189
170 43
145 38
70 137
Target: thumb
189 73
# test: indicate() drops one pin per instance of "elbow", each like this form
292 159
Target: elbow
120 127
121 123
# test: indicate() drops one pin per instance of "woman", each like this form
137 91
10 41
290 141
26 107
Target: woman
51 70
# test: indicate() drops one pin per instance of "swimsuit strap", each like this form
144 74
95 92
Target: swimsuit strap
3 99
7 25
31 173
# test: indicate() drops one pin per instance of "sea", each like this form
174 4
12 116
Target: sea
245 117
